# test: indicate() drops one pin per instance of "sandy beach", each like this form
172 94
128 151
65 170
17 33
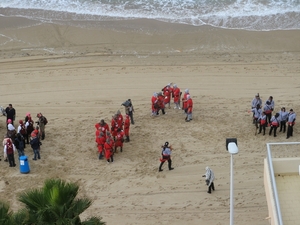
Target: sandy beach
78 74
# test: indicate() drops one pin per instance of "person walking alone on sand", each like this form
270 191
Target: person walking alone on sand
166 156
209 178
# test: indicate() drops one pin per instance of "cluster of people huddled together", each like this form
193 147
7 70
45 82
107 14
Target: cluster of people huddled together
26 133
161 100
110 139
263 118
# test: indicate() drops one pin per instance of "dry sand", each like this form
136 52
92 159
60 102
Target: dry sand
76 76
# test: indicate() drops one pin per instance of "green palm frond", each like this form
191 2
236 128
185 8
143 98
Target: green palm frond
5 214
33 199
53 204
78 207
21 217
93 221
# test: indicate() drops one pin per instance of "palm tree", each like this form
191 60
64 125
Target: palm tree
5 214
56 203
7 217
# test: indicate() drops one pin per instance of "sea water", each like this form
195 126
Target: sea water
232 14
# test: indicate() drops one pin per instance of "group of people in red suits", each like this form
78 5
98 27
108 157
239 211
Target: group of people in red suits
110 139
162 99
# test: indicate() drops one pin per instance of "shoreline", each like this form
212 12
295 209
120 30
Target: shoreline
126 37
248 21
90 72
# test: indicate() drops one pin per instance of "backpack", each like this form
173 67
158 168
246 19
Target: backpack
45 120
23 130
9 149
30 126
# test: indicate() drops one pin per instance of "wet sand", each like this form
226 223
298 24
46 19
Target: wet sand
77 76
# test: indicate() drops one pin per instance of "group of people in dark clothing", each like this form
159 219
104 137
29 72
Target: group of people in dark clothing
263 118
26 133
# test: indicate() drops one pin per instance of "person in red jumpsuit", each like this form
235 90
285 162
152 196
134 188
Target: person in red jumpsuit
119 140
126 128
108 148
184 100
102 126
100 140
189 105
120 119
167 92
160 102
176 95
154 104
114 126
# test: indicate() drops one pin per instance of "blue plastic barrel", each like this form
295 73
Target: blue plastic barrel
24 165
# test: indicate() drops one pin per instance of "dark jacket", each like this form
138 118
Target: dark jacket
35 143
10 113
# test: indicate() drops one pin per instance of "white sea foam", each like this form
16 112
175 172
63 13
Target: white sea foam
235 14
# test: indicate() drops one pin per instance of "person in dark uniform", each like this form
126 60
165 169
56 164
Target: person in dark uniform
291 123
10 113
256 101
256 114
268 111
166 156
19 143
283 116
275 121
262 120
35 145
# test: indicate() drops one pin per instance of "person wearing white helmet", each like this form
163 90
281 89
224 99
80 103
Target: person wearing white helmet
189 108
120 119
184 100
154 101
